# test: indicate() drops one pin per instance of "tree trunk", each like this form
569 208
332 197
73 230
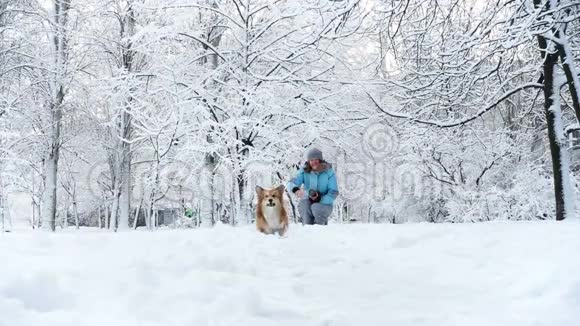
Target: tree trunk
99 223
49 198
49 201
136 219
147 218
114 210
65 217
560 162
207 213
127 31
2 217
48 207
125 191
567 57
106 217
35 214
76 213
35 205
207 205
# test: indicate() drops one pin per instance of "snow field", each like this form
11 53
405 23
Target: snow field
415 274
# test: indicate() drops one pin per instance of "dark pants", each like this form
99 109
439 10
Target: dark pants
314 213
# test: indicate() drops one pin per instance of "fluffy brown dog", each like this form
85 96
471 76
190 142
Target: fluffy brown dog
271 215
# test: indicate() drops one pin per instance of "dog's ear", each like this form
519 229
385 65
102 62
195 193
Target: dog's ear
281 190
259 190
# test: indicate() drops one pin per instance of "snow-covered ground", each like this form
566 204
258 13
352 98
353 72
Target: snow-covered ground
415 274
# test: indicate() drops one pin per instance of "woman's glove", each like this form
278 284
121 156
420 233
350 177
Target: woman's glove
314 196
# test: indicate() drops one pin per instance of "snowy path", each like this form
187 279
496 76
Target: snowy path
421 274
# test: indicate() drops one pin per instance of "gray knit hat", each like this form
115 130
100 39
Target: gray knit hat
313 154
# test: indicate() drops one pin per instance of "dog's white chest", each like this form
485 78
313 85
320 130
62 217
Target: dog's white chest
272 215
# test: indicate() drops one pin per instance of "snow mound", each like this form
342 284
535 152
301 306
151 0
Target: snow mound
415 274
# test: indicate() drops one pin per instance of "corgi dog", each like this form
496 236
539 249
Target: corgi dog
271 214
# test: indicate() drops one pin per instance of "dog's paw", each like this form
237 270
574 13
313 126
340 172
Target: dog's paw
283 233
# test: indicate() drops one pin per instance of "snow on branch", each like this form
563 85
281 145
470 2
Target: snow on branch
442 124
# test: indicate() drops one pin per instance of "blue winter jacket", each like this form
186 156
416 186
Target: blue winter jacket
323 181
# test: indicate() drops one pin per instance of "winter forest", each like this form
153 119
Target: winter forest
141 113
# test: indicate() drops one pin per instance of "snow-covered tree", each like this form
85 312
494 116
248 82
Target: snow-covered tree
457 61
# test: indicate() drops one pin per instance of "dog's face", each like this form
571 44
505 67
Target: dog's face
270 197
